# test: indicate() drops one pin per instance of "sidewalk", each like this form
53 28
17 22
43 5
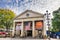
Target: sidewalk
24 39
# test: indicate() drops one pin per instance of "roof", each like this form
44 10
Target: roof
29 11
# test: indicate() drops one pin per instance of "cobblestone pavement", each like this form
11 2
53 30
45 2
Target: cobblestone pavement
24 39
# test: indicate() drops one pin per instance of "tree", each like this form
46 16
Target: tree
56 20
6 18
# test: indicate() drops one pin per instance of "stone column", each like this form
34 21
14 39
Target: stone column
13 31
33 29
22 30
44 29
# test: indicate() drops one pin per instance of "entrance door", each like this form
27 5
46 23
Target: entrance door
39 27
29 33
18 29
28 28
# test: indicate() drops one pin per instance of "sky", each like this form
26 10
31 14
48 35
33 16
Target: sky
19 6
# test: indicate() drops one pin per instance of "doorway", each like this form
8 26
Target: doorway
28 28
18 29
29 33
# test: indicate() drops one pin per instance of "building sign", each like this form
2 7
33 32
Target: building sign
38 25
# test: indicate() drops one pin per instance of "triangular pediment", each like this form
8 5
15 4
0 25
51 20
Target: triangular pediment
29 14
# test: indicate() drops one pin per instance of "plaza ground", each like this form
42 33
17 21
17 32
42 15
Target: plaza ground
24 39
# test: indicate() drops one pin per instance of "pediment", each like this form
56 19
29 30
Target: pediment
29 14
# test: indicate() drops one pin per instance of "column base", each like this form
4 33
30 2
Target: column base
44 36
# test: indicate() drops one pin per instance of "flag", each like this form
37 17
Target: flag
27 26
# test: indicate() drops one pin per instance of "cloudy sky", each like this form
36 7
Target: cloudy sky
41 6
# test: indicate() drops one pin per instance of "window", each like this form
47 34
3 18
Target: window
27 14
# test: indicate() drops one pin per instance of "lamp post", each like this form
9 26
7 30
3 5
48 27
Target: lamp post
47 19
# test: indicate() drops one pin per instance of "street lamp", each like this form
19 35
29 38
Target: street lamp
47 14
47 19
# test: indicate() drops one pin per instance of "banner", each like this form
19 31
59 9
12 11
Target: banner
18 26
38 25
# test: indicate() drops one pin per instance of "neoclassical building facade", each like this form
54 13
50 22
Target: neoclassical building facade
29 23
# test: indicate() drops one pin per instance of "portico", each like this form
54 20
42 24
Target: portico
34 19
